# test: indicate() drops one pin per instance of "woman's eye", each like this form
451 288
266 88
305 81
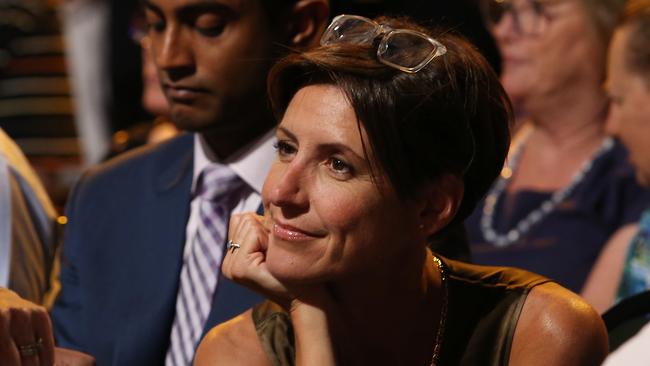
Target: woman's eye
339 166
538 7
284 148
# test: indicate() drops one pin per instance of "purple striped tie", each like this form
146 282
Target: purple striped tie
218 190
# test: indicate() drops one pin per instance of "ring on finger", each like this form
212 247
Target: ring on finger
232 246
32 349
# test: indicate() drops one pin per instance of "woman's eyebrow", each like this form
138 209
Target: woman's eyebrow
335 146
328 146
289 134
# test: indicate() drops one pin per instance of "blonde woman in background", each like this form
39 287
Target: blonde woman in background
567 188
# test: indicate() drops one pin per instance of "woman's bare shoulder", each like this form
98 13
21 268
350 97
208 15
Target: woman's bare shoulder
557 327
234 342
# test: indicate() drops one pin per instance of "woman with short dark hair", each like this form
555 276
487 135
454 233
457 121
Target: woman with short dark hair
389 136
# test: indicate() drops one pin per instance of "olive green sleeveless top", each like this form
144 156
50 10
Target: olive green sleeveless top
484 306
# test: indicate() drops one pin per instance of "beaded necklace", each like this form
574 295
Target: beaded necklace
535 216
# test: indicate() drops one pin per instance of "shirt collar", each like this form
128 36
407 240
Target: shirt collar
251 163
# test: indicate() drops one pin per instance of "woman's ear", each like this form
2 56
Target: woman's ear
439 203
307 22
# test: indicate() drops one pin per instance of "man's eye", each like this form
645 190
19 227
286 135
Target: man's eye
212 31
153 22
156 27
210 25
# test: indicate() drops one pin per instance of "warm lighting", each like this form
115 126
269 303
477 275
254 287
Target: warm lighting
120 137
62 220
506 173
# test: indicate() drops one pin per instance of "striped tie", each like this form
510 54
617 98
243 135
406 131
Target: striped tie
218 190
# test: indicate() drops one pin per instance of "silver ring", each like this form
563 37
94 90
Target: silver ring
31 349
232 246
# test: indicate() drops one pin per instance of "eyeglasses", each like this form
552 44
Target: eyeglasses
528 16
404 49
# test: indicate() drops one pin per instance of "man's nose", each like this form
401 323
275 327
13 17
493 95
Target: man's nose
173 53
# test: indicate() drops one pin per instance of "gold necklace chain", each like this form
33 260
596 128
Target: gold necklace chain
443 311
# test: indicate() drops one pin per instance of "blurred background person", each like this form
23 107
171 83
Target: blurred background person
567 188
623 269
29 231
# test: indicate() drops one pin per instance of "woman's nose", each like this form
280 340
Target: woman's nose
612 123
288 186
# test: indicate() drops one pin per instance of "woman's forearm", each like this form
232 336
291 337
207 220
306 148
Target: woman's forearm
312 334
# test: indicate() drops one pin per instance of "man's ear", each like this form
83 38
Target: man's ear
440 201
307 22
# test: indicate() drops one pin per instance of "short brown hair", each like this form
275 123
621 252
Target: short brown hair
453 116
636 18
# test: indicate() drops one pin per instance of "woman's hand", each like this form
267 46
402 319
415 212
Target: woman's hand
308 306
25 332
68 357
246 264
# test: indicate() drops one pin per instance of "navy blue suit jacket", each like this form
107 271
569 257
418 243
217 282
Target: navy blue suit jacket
123 254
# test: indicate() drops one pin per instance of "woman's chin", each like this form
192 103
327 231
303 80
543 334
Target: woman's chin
515 89
292 268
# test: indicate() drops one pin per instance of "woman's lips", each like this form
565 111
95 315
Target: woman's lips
512 59
291 233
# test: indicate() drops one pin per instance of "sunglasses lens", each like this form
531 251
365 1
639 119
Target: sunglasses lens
349 30
406 49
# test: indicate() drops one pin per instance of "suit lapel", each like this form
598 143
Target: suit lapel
155 280
159 257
